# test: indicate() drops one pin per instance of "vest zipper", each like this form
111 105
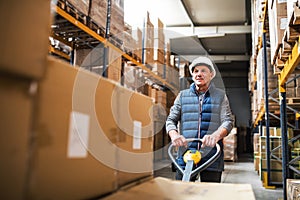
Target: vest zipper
199 120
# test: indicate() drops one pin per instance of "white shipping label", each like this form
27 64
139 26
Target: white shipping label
282 1
137 135
283 23
78 135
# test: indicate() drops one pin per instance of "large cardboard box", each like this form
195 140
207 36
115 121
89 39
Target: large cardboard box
25 37
135 133
163 188
16 105
72 158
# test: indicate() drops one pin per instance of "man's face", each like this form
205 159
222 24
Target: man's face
202 75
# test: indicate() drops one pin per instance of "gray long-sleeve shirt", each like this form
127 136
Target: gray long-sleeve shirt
227 118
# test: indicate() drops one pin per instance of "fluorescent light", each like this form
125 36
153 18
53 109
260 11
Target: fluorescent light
211 35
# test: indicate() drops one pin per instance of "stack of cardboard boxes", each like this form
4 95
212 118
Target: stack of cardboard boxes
66 133
22 63
230 145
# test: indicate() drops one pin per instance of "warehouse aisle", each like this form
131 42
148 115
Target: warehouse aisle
241 171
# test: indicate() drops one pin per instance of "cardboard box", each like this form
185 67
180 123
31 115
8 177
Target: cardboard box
135 144
98 14
25 37
16 105
292 187
81 5
71 158
163 188
92 135
277 23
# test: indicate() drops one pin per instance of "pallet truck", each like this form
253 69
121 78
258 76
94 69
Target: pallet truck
191 158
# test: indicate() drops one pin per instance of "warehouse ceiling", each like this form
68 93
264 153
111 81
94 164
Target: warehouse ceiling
221 29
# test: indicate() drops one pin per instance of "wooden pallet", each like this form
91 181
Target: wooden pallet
116 42
71 10
293 101
96 28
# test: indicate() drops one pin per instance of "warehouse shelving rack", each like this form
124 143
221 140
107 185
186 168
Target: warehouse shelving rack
90 36
290 65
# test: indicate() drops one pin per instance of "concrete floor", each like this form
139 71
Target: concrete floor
240 171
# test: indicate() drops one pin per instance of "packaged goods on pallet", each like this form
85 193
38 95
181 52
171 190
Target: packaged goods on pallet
159 69
88 58
159 54
149 42
93 60
257 16
260 72
172 75
256 142
159 42
274 142
256 151
134 78
273 131
275 170
292 188
80 5
114 69
168 54
277 13
117 18
98 14
159 97
138 36
276 166
230 145
295 153
129 43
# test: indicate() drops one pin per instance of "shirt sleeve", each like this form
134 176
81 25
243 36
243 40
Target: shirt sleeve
227 118
174 116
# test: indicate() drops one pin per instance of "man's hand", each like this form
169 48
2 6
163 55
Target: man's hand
177 139
209 141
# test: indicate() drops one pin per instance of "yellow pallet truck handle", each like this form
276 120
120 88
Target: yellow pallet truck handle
192 157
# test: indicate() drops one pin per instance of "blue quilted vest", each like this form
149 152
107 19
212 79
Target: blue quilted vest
210 120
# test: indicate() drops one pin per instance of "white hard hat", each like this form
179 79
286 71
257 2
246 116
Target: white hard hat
203 60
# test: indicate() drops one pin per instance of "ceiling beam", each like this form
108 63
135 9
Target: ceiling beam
220 58
209 31
187 13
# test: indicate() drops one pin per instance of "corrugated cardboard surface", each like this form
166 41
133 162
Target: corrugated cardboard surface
81 5
162 188
135 153
16 106
54 174
25 37
112 156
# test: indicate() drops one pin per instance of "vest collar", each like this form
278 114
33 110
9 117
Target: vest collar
194 90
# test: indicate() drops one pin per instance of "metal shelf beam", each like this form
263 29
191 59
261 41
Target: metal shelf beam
290 64
106 43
